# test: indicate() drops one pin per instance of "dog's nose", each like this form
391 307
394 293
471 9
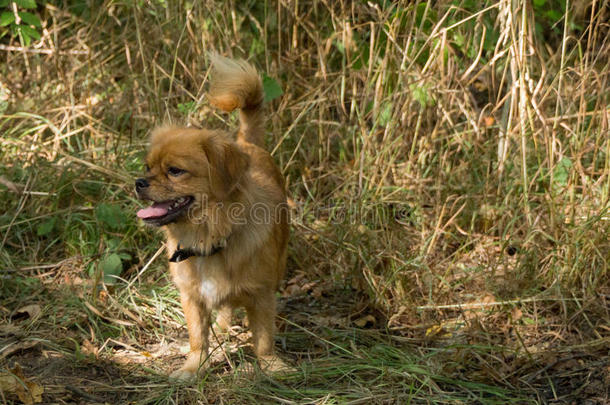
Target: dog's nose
141 183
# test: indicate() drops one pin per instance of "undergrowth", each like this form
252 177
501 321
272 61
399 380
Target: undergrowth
447 165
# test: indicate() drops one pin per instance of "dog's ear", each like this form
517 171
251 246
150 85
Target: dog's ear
235 165
228 166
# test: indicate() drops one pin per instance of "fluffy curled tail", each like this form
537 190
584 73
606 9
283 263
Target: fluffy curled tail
236 84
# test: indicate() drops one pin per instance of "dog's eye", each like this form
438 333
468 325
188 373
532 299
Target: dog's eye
174 171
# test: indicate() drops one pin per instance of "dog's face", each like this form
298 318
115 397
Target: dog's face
188 168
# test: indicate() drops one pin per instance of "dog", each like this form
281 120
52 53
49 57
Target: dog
222 205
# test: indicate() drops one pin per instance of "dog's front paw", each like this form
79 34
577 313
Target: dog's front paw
183 375
191 367
272 364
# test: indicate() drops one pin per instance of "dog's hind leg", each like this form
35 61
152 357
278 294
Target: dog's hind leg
223 319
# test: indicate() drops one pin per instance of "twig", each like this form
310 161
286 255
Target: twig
474 305
152 259
98 313
24 221
18 188
48 266
14 187
10 48
84 394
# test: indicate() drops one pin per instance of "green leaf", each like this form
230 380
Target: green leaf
111 266
4 3
186 108
46 227
272 88
80 8
553 15
113 243
30 32
125 256
24 35
111 216
30 19
561 173
7 18
528 321
385 115
340 46
26 3
257 47
420 94
539 3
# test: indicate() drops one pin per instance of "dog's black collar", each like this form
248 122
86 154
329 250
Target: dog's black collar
184 253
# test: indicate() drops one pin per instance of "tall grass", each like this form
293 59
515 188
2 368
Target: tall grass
448 165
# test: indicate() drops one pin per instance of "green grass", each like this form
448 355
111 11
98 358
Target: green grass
450 173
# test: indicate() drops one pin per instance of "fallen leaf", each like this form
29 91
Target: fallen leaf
296 279
471 314
17 346
488 298
291 290
89 348
365 320
569 364
329 321
9 329
516 314
103 296
29 311
434 330
362 229
14 383
309 286
318 291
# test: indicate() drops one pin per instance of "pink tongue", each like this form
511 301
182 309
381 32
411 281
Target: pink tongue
154 211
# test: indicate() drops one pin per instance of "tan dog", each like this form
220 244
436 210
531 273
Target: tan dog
223 208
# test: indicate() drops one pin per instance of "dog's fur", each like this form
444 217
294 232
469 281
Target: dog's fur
237 212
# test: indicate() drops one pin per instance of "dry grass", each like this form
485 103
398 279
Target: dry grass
449 166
